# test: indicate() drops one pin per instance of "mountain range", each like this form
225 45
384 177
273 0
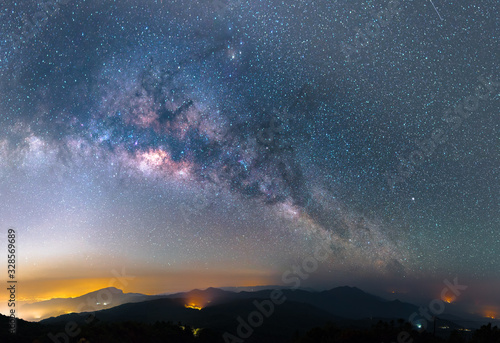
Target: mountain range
279 312
218 308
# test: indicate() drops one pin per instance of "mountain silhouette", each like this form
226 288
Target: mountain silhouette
218 311
216 307
93 301
346 303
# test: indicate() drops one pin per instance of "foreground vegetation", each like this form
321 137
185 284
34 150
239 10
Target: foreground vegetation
402 333
159 332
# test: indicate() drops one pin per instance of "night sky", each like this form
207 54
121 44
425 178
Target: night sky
196 144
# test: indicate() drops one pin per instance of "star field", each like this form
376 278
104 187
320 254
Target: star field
231 138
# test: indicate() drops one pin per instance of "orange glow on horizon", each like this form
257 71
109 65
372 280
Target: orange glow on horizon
71 288
197 302
448 299
193 306
490 314
37 290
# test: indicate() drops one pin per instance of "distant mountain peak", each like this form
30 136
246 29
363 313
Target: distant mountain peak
100 299
212 289
112 290
345 289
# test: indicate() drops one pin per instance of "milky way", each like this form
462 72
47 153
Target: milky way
194 135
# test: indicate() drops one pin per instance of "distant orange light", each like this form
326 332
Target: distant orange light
197 301
490 314
193 306
448 299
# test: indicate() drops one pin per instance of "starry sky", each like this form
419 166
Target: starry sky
191 144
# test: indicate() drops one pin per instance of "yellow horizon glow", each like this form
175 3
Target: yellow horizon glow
490 314
165 282
193 306
448 299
